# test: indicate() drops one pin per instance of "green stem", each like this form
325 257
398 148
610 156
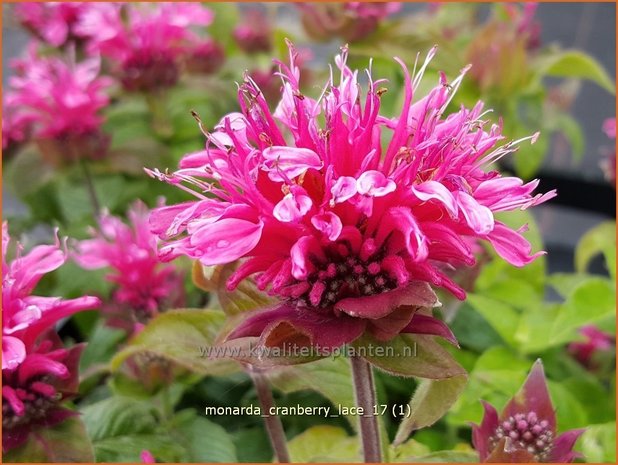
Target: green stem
92 193
365 393
273 424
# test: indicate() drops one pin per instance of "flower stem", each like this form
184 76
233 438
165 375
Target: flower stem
365 392
272 422
92 193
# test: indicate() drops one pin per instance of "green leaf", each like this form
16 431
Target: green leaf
250 350
204 440
324 444
598 443
337 371
600 239
577 65
431 400
409 355
531 332
183 336
28 172
574 134
65 442
120 428
446 456
102 345
496 376
252 445
410 448
74 198
244 298
591 301
502 317
564 283
529 158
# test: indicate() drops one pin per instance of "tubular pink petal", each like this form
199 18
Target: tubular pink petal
13 352
286 163
292 207
329 224
374 184
433 190
511 245
226 240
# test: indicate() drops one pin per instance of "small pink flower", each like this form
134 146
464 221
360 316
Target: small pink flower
523 18
146 42
348 234
596 342
205 57
144 285
15 126
525 431
253 34
61 101
609 127
352 21
146 457
37 372
53 22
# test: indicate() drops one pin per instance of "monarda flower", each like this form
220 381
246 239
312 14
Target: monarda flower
145 42
37 372
525 431
596 342
351 21
62 102
347 233
205 57
254 33
15 127
144 285
52 22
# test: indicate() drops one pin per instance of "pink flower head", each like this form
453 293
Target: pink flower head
253 34
596 341
352 21
348 233
37 372
144 285
62 101
15 125
146 457
205 57
52 22
523 18
609 127
525 431
146 41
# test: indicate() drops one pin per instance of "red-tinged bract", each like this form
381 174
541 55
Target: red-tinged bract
525 431
349 233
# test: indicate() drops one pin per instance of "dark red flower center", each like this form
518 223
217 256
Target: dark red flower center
147 71
339 273
37 397
351 277
527 432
